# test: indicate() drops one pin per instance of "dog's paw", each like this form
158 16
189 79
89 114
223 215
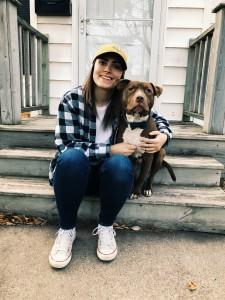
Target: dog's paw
134 196
147 193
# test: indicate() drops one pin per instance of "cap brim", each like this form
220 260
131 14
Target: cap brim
122 61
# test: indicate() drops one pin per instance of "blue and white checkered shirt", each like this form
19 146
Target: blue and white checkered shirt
76 129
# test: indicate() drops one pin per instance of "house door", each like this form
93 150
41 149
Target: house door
127 23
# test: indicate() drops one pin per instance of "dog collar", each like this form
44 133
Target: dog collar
134 125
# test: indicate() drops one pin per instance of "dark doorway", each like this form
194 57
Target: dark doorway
24 10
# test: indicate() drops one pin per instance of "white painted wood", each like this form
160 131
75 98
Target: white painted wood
180 18
59 88
197 121
172 111
179 37
60 71
82 39
174 76
57 33
214 110
33 16
60 53
54 20
176 57
75 44
157 47
54 103
172 94
10 93
209 17
188 4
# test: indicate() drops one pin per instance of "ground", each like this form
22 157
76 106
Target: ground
150 265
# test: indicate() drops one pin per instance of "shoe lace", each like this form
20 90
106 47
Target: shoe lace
106 235
64 238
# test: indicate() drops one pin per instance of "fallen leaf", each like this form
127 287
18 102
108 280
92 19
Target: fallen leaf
191 286
13 219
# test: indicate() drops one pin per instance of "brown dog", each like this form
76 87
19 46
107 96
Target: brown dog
136 121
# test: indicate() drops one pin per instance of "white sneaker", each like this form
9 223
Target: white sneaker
107 248
61 252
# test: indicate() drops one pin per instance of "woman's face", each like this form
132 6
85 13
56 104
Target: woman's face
107 71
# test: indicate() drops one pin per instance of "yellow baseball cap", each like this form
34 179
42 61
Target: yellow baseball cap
112 48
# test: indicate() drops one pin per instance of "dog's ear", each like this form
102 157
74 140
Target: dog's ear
157 89
122 84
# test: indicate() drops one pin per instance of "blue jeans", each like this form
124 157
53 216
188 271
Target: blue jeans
111 180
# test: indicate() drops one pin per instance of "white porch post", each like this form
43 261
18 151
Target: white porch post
10 93
214 110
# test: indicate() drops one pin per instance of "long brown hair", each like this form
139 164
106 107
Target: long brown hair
114 108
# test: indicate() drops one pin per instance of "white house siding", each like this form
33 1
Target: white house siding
59 31
185 19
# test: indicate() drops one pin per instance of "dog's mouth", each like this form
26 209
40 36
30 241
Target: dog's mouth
138 110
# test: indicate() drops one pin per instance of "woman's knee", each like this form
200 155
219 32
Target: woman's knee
73 158
118 164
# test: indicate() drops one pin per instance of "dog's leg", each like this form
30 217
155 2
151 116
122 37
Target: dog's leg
156 165
145 169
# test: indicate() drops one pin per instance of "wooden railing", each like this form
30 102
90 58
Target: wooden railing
34 78
24 82
205 80
197 74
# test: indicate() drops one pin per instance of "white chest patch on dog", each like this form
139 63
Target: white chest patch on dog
133 137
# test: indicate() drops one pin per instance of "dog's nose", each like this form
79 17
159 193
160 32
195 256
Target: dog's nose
140 99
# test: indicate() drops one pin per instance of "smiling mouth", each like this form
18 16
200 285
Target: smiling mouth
106 78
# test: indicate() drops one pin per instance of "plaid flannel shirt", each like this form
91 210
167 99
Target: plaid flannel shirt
76 129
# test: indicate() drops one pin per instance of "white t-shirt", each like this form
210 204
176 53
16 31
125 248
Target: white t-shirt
102 135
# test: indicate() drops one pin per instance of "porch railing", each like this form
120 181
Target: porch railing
197 74
205 88
34 72
24 82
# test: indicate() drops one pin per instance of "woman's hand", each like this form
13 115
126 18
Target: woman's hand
123 148
155 144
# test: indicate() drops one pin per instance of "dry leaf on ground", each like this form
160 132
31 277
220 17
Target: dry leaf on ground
13 219
191 286
123 226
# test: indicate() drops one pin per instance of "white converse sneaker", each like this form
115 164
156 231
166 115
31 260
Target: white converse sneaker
107 248
60 254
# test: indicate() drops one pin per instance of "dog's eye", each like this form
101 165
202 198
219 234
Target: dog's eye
149 91
131 88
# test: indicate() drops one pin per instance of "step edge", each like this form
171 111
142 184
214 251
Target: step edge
210 165
219 200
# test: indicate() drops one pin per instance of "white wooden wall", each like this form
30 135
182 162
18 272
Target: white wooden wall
185 19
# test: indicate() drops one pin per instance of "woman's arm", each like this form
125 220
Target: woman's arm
162 137
69 131
162 124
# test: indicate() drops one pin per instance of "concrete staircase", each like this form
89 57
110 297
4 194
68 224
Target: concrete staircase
195 202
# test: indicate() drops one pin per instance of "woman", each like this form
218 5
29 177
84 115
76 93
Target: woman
88 161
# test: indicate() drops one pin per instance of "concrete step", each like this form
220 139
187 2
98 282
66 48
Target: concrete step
170 207
189 170
188 138
34 132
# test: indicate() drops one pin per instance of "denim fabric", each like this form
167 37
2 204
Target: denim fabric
111 180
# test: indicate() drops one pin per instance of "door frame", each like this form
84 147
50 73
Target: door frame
157 50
